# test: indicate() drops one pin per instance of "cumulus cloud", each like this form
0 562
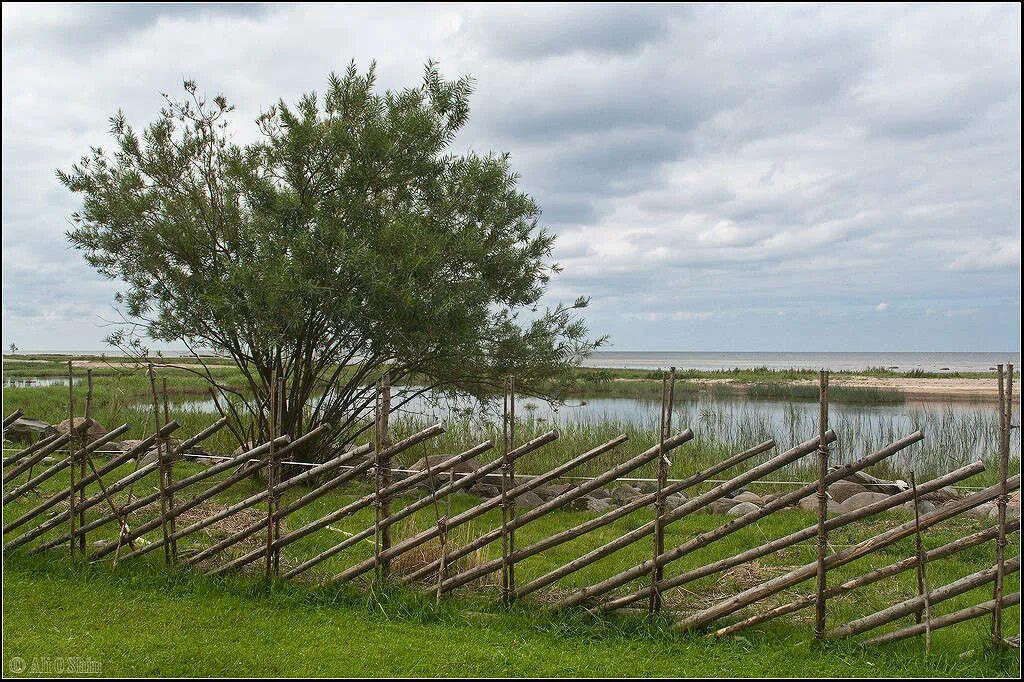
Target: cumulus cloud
720 176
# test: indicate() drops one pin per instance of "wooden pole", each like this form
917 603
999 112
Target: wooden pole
819 611
863 548
508 503
1005 419
83 463
866 579
71 468
922 581
271 472
667 394
164 485
282 407
908 606
13 417
949 619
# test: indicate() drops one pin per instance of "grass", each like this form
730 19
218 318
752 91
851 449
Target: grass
147 620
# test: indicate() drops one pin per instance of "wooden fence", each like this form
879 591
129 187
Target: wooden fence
158 520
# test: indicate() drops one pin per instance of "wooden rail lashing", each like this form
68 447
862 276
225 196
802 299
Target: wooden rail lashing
868 578
840 558
708 537
687 507
606 518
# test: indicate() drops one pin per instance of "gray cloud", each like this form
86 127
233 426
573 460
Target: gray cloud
720 176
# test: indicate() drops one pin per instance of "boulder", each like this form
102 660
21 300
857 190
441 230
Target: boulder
675 500
529 500
926 506
600 494
556 489
624 493
722 506
982 511
753 498
95 429
596 504
947 494
485 490
743 508
433 461
27 431
861 500
809 503
840 491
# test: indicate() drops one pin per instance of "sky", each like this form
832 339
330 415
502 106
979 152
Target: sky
727 177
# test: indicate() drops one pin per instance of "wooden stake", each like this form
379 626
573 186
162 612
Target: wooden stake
657 571
922 582
83 463
1005 424
71 468
819 611
271 472
164 485
508 508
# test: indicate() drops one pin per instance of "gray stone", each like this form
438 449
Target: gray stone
624 493
743 508
982 511
749 497
840 491
600 494
485 490
675 500
556 489
529 500
722 506
467 467
861 500
926 506
596 505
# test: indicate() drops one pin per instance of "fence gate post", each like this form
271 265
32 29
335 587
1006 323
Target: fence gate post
819 615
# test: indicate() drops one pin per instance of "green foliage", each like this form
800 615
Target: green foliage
349 234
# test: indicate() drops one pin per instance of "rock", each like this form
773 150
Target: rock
485 490
556 489
861 500
947 494
600 494
27 431
809 503
529 500
675 500
840 491
94 431
743 508
982 511
722 506
596 504
624 493
753 498
926 506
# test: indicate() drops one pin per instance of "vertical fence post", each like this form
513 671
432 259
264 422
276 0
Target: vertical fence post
922 579
657 570
83 463
71 468
382 475
161 451
1005 419
282 406
819 615
268 559
508 509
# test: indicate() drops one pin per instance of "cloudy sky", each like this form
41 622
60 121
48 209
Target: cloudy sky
802 178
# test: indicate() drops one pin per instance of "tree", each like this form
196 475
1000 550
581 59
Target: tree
347 241
13 349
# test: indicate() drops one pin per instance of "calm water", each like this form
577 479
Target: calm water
929 362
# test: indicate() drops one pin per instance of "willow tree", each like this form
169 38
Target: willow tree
347 240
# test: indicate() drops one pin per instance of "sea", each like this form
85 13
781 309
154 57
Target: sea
902 362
